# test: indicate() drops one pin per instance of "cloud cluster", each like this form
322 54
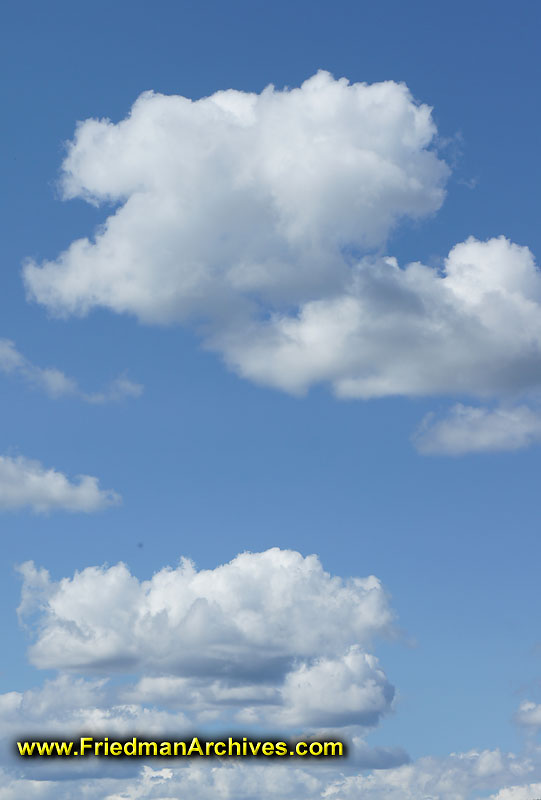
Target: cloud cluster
262 221
68 706
269 641
492 775
269 638
25 483
55 383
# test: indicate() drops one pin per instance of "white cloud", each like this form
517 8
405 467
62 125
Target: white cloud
120 388
261 220
66 706
529 715
260 609
269 641
468 429
282 610
529 792
25 483
251 640
203 782
332 692
348 690
54 383
203 694
462 776
239 199
475 329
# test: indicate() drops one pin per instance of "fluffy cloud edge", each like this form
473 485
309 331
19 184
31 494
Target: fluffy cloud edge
261 220
26 483
248 642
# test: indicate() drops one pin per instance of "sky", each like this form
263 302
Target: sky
270 366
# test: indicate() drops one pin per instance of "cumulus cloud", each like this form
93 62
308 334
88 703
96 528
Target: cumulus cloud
474 329
26 483
262 220
470 429
348 690
259 608
255 640
67 707
293 658
351 690
55 383
239 199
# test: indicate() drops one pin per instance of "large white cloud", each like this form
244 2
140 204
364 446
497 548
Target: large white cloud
301 635
240 199
262 220
26 483
269 638
261 609
55 383
474 329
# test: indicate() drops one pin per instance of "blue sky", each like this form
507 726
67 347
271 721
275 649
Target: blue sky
210 464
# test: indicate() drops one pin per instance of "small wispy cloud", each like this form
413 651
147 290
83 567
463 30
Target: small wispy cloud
528 715
477 429
56 384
